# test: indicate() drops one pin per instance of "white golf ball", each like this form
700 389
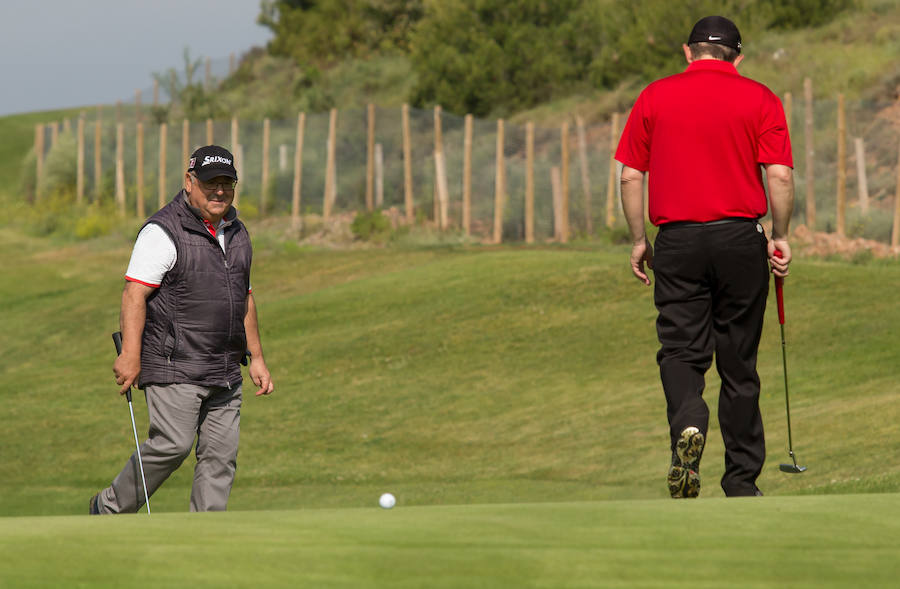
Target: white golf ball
387 501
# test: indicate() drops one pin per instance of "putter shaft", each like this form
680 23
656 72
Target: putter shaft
137 448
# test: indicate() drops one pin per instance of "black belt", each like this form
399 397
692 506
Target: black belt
724 221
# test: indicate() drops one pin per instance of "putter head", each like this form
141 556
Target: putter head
791 468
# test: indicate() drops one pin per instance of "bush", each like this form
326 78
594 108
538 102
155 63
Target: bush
60 168
94 223
484 56
371 226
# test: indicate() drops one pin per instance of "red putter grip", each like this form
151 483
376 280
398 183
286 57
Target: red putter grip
779 292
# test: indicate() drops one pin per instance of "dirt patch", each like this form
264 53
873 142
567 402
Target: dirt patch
814 243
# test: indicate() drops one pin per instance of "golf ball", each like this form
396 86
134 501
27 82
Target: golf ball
387 501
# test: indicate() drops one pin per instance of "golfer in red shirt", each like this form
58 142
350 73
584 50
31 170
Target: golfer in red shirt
703 137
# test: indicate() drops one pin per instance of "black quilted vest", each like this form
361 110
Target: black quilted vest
194 332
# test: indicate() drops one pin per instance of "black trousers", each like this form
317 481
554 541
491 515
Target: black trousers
711 286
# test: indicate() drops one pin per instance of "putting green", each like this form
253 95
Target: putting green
834 541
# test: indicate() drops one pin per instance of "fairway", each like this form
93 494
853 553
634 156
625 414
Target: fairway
797 542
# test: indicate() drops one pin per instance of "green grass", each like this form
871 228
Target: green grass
813 542
508 397
450 374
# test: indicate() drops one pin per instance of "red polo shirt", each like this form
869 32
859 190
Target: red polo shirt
701 135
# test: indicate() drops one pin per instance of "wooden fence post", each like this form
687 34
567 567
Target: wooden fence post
467 175
379 176
841 166
499 184
564 181
235 130
282 158
39 134
264 189
138 114
529 182
185 143
238 166
895 232
370 157
440 171
79 173
585 174
298 173
407 167
809 133
209 131
862 184
98 159
330 191
120 168
163 139
54 133
788 110
556 186
139 181
611 184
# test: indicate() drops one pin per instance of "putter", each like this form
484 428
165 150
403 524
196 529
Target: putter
117 339
793 468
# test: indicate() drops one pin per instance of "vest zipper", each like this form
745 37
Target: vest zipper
230 308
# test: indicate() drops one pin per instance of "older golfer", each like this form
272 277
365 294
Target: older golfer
187 318
703 136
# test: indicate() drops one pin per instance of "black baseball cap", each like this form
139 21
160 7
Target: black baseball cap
718 30
212 161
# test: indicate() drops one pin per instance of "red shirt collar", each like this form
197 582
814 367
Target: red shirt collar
713 65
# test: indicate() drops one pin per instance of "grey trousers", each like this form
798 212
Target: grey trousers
178 414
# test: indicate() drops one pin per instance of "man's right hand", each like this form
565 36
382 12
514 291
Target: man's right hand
642 252
127 369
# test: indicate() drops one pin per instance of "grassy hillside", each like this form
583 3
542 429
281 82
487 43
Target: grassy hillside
446 374
797 542
18 139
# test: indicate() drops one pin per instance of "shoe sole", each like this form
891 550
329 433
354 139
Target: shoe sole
684 474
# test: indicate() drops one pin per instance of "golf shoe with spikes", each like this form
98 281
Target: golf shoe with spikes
684 474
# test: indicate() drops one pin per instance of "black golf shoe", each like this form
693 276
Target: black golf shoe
684 474
94 507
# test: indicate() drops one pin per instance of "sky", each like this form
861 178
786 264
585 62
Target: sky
71 53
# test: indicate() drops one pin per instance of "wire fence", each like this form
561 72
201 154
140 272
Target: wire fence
537 182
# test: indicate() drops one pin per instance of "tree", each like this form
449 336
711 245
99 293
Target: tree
484 56
324 31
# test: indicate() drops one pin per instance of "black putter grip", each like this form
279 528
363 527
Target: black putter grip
117 339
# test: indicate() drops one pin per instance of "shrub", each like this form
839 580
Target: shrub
94 223
371 226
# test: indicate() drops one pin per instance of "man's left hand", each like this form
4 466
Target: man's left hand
260 376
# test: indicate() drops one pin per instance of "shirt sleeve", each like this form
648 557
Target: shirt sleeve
634 145
774 140
153 255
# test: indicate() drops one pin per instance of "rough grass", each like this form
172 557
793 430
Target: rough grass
447 374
